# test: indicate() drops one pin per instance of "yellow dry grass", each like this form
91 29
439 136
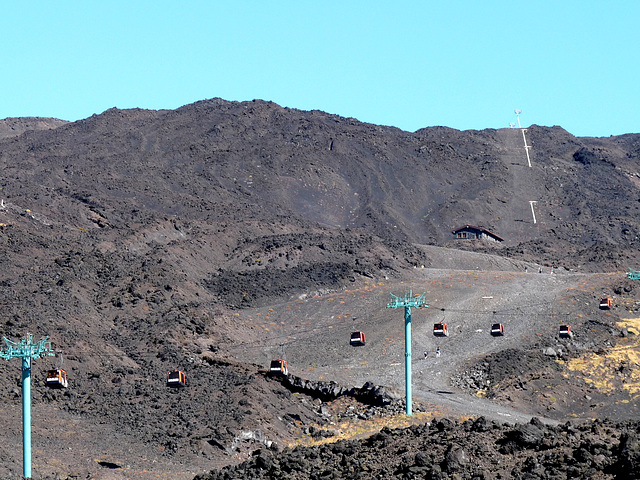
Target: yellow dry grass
354 429
617 366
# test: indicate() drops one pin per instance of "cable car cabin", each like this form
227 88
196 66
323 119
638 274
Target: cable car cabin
176 379
357 339
279 367
497 330
565 331
56 378
606 304
441 329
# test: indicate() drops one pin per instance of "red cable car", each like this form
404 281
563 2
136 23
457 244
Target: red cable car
279 367
357 339
497 330
565 331
606 304
440 329
176 379
56 378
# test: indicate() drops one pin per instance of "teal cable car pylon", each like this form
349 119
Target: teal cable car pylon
407 302
26 350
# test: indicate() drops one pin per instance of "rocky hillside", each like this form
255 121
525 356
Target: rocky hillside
475 448
13 127
144 241
228 162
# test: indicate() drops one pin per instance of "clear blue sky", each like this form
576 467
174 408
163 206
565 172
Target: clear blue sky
412 64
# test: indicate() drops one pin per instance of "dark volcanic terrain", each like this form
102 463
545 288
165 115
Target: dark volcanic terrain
221 235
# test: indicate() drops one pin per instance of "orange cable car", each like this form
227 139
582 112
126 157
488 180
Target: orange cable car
176 379
606 303
278 367
565 331
497 330
357 339
440 329
56 378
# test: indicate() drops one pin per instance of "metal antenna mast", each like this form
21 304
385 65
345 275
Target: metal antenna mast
26 350
518 112
407 302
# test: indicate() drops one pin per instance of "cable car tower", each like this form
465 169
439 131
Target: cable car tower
26 350
407 302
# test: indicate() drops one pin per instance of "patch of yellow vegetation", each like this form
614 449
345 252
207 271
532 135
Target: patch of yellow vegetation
631 324
618 365
350 429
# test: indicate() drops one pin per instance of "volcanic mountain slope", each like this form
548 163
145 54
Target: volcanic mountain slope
226 162
13 127
143 241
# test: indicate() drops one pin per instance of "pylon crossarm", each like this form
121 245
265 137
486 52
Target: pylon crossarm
25 348
409 300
